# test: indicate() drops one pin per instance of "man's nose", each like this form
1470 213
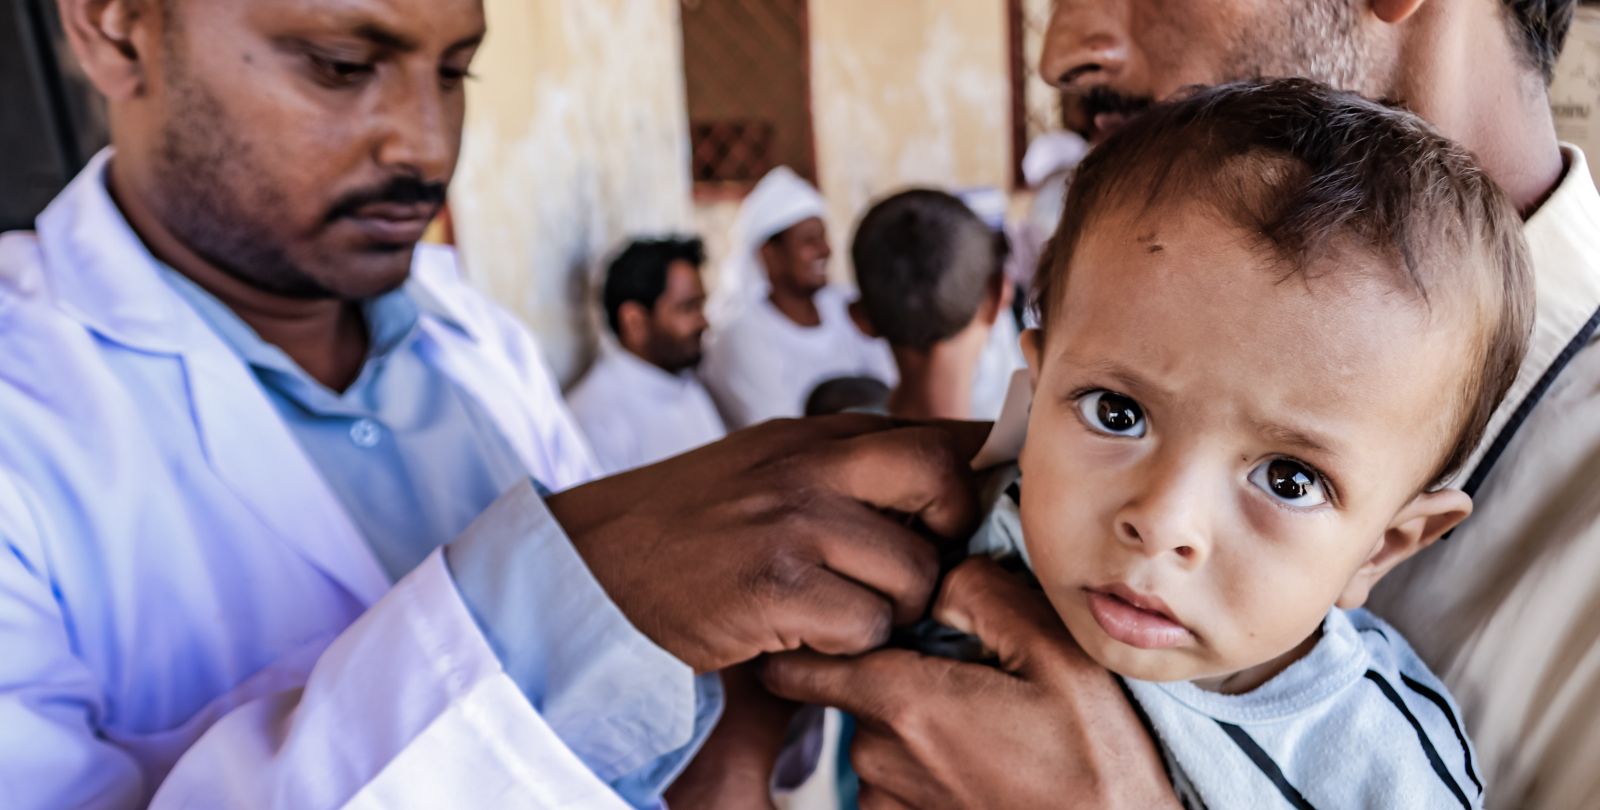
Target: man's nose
1086 44
1168 514
418 136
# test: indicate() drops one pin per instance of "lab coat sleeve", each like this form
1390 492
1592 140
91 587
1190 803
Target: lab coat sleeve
49 700
410 706
633 712
407 708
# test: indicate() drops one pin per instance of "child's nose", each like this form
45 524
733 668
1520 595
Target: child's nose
1168 516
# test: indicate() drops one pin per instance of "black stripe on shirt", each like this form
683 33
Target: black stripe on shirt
1422 737
1263 761
1144 720
1455 724
1525 409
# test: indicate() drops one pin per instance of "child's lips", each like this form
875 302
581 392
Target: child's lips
1134 619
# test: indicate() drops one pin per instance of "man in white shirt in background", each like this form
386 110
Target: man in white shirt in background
641 402
778 327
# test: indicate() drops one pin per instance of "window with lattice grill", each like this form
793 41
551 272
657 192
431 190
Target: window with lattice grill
747 72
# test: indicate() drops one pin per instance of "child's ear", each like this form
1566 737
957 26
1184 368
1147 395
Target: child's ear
858 313
1426 518
1032 352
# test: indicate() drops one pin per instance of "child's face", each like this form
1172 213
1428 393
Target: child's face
1218 453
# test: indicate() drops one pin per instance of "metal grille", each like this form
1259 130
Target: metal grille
1036 106
747 76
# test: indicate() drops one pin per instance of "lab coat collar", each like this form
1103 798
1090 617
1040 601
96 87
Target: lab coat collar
101 274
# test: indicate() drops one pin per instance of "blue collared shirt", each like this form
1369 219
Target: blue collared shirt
414 459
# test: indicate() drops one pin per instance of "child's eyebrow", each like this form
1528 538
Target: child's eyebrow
1127 381
1304 440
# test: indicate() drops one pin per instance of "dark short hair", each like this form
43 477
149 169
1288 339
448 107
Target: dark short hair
848 395
1310 170
923 260
1540 28
639 273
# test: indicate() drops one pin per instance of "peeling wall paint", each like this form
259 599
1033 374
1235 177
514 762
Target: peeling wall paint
576 137
907 92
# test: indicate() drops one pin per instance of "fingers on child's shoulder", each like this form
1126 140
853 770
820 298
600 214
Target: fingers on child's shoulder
1010 616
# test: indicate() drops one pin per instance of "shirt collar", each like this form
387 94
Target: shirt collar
642 373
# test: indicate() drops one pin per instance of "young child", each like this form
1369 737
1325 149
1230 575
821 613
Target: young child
1274 324
933 284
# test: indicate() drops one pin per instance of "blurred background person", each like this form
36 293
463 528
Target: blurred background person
849 395
933 286
641 402
780 327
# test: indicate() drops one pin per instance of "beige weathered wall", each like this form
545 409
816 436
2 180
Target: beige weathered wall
908 92
904 92
1575 93
576 136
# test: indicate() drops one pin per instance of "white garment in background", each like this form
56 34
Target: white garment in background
635 413
1001 358
763 365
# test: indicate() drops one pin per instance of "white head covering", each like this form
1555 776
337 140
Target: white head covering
779 202
989 203
1052 153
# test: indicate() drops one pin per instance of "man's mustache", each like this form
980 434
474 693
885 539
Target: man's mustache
1105 100
398 190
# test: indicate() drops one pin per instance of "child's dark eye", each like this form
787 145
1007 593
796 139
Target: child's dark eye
1112 414
1291 482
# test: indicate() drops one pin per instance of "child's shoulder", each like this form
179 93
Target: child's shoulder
1359 722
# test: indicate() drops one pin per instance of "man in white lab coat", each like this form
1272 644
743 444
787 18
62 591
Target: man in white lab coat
242 417
778 327
641 402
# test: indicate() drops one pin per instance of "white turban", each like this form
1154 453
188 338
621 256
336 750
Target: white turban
779 202
1052 153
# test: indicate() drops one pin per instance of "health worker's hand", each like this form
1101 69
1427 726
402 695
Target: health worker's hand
1049 728
801 534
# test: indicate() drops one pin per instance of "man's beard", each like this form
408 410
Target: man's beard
677 356
213 201
216 200
1319 40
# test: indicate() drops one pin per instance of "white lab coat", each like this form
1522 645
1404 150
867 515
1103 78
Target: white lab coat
176 580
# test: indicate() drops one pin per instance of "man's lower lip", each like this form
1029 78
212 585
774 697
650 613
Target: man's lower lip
1132 626
391 231
1107 124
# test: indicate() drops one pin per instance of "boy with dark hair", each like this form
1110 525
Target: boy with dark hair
932 282
1274 322
641 402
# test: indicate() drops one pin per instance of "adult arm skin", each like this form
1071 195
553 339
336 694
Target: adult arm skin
797 534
